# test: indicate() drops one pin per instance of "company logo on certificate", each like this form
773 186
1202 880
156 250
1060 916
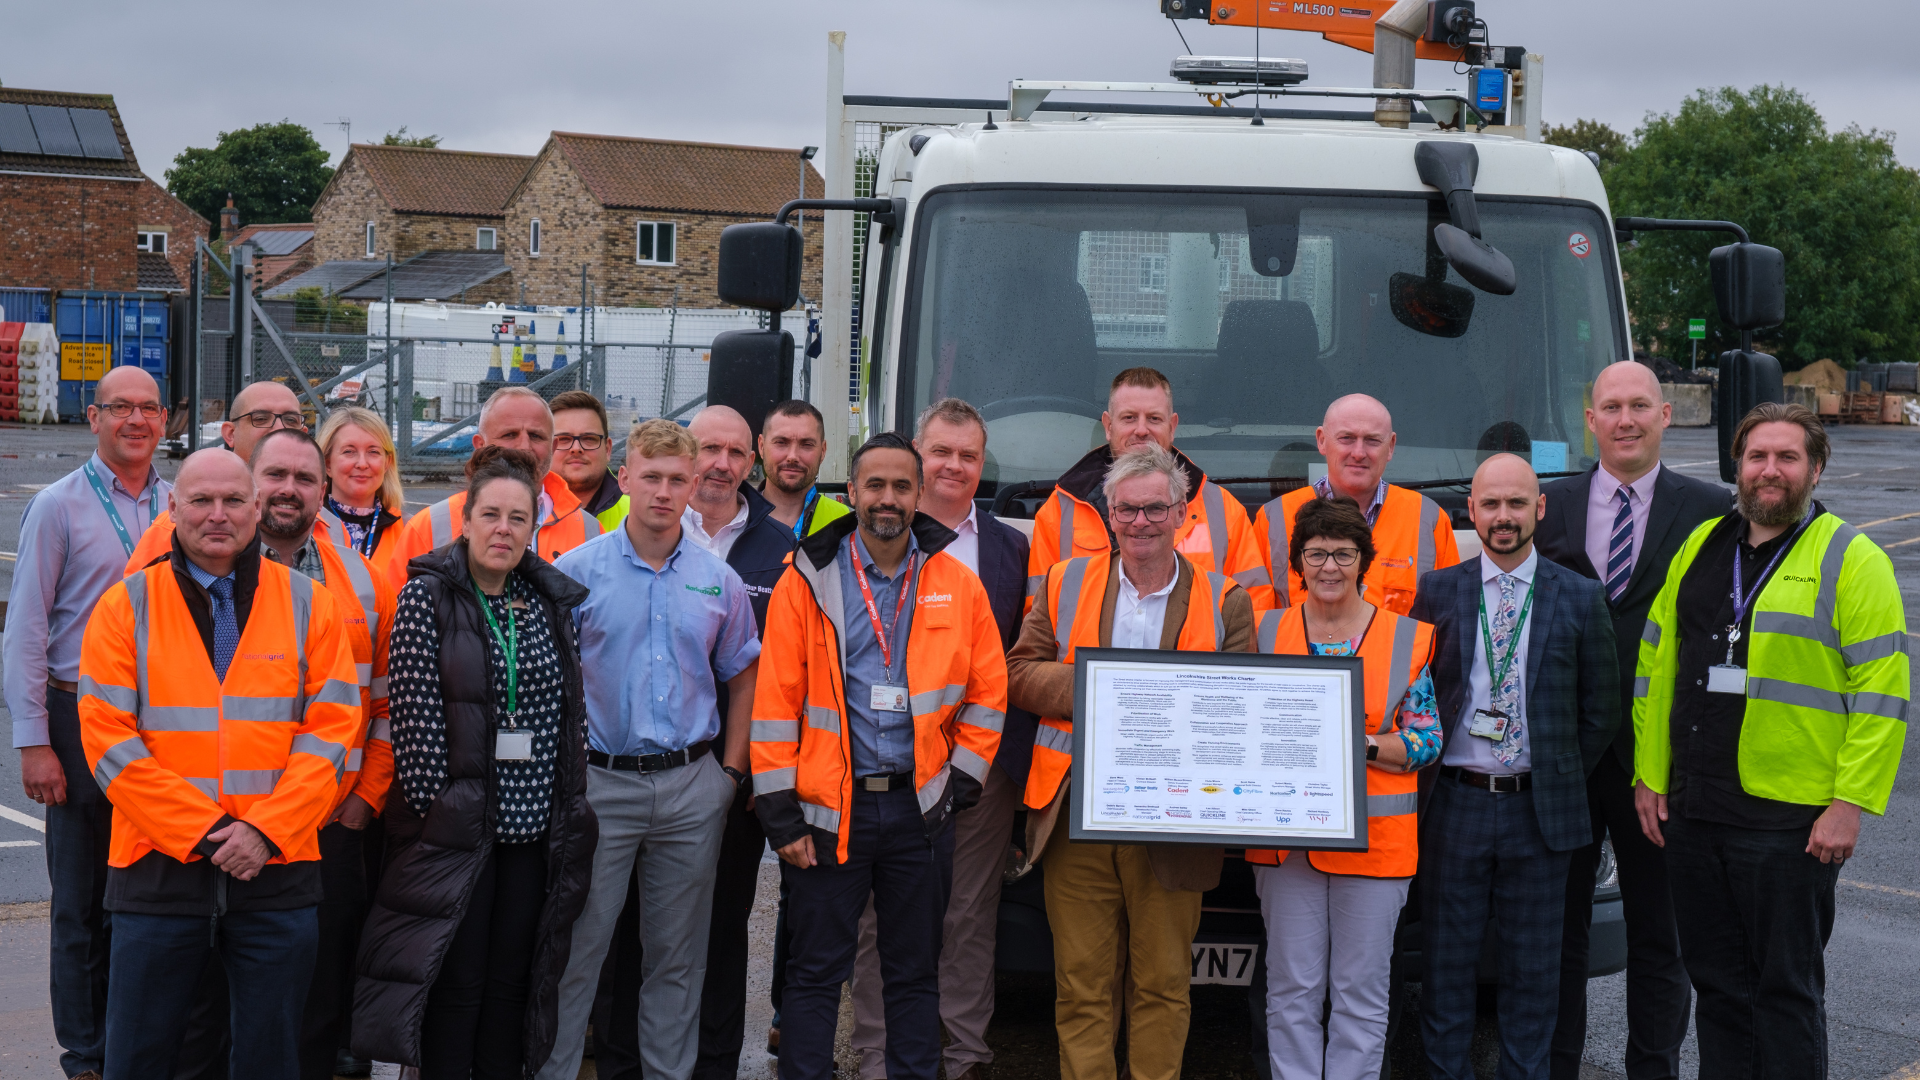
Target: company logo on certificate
1230 749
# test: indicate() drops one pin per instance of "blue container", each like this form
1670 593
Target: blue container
134 326
26 305
1490 90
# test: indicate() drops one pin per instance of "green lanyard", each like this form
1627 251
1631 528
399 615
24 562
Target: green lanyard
1513 644
509 645
113 515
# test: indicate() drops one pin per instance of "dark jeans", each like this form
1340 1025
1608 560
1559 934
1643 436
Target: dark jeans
476 1013
343 907
268 960
1482 855
909 878
1658 999
77 836
1755 912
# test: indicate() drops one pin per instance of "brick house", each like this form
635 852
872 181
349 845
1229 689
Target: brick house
404 200
644 216
67 192
164 233
282 250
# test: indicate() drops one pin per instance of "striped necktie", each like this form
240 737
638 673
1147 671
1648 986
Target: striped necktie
1620 548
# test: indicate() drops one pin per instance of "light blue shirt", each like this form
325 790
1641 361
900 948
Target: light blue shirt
69 557
882 740
653 642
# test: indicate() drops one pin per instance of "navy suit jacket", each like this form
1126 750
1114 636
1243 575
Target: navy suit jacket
1679 505
1572 682
1003 570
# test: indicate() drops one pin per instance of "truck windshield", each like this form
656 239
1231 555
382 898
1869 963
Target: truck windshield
1261 308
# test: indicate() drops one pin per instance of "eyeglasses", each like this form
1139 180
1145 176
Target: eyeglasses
584 442
1155 512
1319 556
122 409
263 418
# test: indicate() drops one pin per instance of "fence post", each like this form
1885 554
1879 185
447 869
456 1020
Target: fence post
401 372
197 280
240 316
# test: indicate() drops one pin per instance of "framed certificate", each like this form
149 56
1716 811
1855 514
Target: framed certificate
1234 749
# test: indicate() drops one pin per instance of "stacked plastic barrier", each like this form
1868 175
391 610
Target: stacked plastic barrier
10 369
37 398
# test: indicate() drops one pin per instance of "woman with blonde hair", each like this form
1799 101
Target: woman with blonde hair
365 506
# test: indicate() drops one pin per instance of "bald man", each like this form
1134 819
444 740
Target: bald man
257 409
1621 524
1411 534
1529 694
75 537
516 417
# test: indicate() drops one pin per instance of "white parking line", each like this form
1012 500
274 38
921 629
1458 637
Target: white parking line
28 820
1901 543
1881 888
19 843
1693 464
1883 521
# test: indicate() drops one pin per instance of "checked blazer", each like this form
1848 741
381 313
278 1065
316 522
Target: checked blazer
1572 681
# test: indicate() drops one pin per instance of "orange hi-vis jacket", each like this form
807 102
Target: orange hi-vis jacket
956 683
567 526
1411 535
1073 592
327 529
1394 652
366 602
176 750
1216 535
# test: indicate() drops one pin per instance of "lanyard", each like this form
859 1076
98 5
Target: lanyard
1742 602
806 513
365 546
1513 643
113 515
509 645
873 610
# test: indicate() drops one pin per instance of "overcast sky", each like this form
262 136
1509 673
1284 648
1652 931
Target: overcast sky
486 75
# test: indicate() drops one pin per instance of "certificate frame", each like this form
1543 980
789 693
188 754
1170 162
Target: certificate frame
1267 834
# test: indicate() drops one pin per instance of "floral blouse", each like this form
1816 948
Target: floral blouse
1419 712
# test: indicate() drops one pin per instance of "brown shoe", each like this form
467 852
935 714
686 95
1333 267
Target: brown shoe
773 1041
88 1075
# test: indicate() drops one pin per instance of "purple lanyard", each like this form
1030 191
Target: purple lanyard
1742 602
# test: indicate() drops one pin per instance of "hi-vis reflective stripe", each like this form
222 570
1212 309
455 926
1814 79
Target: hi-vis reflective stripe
382 729
935 789
983 718
1650 633
1255 576
124 698
1403 634
1066 524
783 731
1053 739
1641 683
180 718
1276 519
1070 580
823 719
1393 805
590 525
931 700
266 710
354 757
440 522
1036 584
333 523
207 786
1429 519
321 748
1269 630
1220 583
1216 508
378 685
1819 627
302 588
363 589
118 756
137 598
820 817
772 780
364 672
970 763
338 692
1878 648
249 781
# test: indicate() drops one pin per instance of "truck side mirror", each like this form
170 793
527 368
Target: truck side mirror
1452 167
751 371
1746 380
1749 285
760 266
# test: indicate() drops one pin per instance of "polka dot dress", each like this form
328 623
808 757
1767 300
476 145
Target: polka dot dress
523 793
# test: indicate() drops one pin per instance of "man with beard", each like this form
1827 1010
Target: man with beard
289 472
1530 700
1780 643
793 442
877 714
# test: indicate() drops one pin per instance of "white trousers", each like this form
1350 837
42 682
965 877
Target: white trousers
1328 936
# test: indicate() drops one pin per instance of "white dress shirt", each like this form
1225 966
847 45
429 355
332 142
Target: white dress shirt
1603 505
1472 751
720 543
1139 620
966 545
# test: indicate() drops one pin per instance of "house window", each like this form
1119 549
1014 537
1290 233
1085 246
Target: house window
370 251
154 242
653 243
533 237
483 239
1153 273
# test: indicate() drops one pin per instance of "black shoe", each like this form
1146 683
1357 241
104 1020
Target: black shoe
345 1064
773 1041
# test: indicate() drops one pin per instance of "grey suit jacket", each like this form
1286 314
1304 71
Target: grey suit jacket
1572 682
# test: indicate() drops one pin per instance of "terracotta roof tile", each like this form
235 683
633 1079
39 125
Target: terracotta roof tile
418 180
689 177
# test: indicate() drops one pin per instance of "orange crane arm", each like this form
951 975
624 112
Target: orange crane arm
1349 23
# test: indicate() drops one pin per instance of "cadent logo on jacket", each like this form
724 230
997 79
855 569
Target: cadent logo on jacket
935 598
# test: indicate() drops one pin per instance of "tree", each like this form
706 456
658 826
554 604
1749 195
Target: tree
1839 206
1610 145
401 138
273 171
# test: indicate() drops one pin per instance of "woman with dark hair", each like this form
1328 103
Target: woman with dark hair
490 847
1331 915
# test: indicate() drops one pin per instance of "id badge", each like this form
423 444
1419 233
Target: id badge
1488 724
889 699
1727 679
510 745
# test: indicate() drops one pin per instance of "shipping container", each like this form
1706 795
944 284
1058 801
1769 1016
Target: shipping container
26 305
102 330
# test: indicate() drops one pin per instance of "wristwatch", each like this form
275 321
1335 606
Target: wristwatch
1373 750
738 776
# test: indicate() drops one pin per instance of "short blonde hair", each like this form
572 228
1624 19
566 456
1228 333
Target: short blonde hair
661 438
391 495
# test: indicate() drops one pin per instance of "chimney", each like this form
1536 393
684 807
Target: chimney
229 221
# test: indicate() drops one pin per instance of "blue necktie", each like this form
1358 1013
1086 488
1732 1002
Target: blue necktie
1620 548
226 628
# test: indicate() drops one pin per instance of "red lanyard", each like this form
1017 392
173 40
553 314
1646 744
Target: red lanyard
873 611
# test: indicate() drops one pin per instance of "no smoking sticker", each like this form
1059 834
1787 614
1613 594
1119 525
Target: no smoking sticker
1579 245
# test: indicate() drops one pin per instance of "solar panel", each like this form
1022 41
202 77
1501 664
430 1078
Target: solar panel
55 129
280 241
97 137
16 131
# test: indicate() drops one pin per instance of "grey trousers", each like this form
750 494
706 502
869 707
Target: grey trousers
980 840
665 827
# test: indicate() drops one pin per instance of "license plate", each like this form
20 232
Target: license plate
1222 965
